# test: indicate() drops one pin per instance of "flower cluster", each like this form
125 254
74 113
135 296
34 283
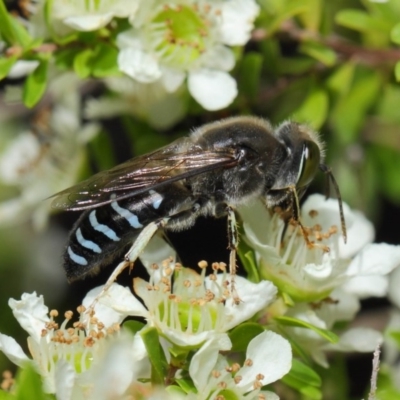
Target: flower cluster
197 342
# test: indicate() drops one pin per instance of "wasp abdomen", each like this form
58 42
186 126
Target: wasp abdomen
102 231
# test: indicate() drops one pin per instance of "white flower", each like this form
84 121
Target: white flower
89 15
324 316
196 309
42 161
72 359
151 102
268 358
170 41
22 68
311 274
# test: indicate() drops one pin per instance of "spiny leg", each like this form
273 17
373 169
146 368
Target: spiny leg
233 238
131 256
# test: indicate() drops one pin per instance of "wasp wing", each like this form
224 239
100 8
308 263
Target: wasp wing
172 163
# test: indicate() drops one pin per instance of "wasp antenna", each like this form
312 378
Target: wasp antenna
326 170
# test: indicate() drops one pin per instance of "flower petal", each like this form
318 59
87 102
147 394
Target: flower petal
254 297
139 65
12 350
394 284
214 90
22 68
237 21
116 303
367 286
172 79
271 356
203 362
31 313
87 23
155 252
115 372
375 259
64 378
362 340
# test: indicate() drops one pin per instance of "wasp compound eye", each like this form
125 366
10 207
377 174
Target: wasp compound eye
309 163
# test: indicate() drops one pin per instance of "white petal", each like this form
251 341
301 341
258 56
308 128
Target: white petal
155 252
219 57
31 313
64 377
367 286
12 350
362 340
22 68
115 372
360 231
254 297
88 22
203 362
139 65
269 395
237 21
394 285
319 271
214 90
116 303
142 366
271 356
172 79
375 259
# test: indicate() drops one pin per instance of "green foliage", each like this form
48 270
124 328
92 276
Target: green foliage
304 380
294 322
156 354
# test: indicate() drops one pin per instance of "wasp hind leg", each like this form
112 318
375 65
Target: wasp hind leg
233 243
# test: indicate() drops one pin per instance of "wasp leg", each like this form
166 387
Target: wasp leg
141 242
233 243
134 252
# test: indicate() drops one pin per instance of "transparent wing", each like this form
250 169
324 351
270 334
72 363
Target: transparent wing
169 164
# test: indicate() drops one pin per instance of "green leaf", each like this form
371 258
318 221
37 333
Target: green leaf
348 114
187 385
156 354
5 66
316 50
304 379
6 26
247 257
340 80
12 31
288 9
6 395
359 20
82 63
175 392
395 34
250 72
243 334
133 326
35 85
311 18
64 58
397 71
29 385
304 373
314 110
290 321
104 62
